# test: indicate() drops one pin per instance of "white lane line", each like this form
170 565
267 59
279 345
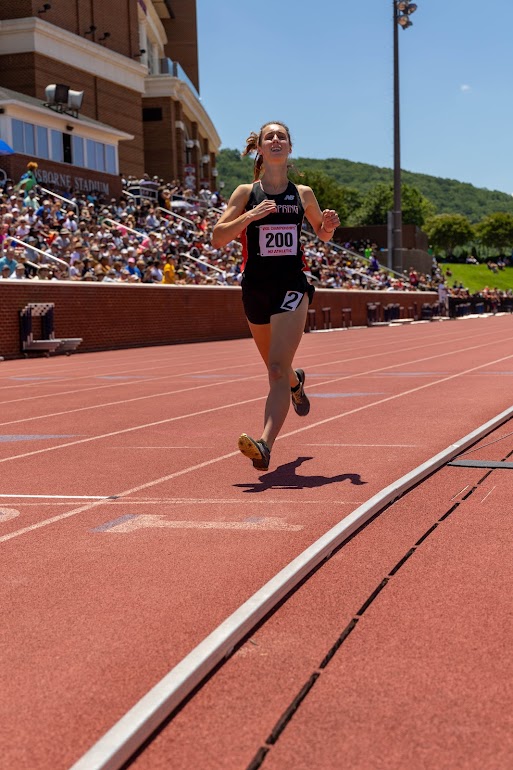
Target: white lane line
192 468
188 501
460 492
386 446
57 497
125 384
172 360
130 732
90 506
204 360
217 384
253 400
488 495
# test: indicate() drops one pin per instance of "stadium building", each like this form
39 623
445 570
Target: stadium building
127 98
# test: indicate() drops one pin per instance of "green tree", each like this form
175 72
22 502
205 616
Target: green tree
380 200
496 231
329 194
448 195
446 231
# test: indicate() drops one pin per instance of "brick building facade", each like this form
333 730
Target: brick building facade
124 56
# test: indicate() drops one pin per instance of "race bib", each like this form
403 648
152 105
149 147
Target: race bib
291 300
278 240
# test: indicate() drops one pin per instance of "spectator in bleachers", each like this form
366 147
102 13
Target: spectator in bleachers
9 260
19 273
144 242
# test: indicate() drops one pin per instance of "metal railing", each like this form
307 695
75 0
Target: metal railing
60 197
176 216
169 67
185 256
202 262
140 191
356 255
121 226
39 251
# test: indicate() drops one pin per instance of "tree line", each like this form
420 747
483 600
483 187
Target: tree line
453 214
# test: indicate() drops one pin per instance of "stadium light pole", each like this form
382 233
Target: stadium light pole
402 13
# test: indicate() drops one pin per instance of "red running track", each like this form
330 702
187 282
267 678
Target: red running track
105 596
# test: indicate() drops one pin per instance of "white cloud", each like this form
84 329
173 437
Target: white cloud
465 88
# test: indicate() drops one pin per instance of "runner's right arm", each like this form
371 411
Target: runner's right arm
234 219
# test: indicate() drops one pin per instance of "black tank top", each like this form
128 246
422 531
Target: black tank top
271 247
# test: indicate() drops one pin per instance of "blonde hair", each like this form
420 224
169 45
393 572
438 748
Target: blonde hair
253 141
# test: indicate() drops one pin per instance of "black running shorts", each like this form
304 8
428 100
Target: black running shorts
260 303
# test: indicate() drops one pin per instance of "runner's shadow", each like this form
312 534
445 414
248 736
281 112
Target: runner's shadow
284 477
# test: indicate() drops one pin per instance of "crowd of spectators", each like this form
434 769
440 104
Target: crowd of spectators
159 232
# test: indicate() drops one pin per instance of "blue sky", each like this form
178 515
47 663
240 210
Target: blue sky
325 69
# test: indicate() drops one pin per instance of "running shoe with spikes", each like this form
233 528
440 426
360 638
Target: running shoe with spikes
300 400
257 451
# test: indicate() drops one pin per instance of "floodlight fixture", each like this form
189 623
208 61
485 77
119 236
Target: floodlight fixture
62 98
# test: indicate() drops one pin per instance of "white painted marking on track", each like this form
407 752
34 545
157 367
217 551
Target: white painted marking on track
220 458
459 493
15 496
231 501
158 395
145 521
386 446
488 494
8 513
261 398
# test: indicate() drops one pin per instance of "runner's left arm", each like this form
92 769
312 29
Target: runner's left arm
324 222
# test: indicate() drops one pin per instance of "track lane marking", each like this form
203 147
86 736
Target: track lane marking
57 497
200 466
254 362
133 522
228 382
248 401
143 368
82 362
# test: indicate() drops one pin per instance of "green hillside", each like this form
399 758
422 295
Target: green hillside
447 195
476 277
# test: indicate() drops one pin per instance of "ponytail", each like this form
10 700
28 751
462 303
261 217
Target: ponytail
252 146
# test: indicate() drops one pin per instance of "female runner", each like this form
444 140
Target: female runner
267 215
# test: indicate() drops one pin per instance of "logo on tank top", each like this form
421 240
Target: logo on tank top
287 208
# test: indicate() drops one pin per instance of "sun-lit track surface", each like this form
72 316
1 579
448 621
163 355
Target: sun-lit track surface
167 529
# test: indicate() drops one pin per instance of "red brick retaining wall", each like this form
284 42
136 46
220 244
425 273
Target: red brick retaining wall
109 316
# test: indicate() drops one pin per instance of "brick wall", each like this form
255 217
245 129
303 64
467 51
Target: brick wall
119 17
109 316
159 139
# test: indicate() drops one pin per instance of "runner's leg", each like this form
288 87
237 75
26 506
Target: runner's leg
286 332
262 336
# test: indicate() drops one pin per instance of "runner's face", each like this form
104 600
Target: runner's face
274 142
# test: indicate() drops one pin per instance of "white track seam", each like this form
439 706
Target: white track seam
127 735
